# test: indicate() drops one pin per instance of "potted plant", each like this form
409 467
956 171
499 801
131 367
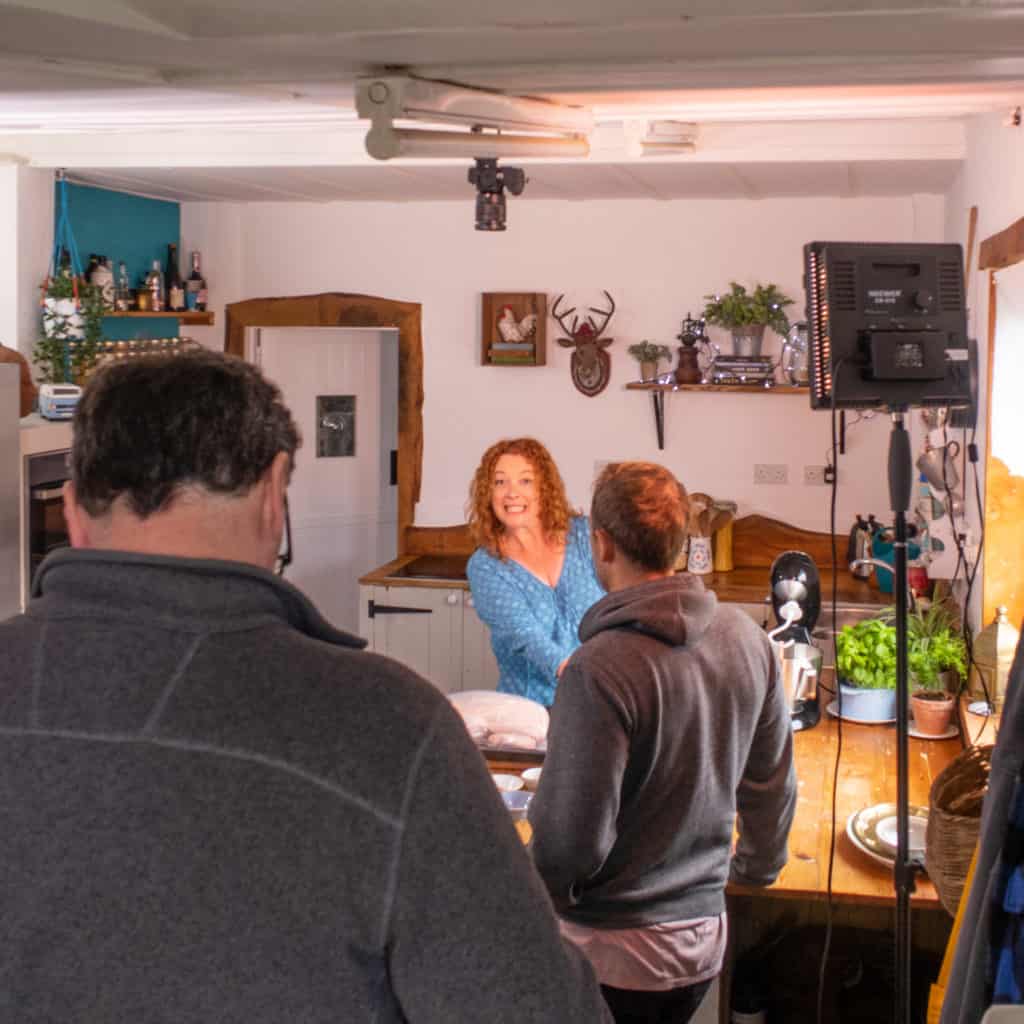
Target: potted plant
937 661
746 314
647 353
866 670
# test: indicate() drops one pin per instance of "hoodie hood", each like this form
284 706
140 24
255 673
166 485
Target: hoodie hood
676 610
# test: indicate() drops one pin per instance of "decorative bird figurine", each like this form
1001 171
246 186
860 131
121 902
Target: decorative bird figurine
511 329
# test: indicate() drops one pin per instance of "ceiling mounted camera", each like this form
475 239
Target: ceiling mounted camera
491 181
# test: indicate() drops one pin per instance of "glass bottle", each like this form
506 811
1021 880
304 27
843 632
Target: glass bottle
155 287
195 287
123 290
175 288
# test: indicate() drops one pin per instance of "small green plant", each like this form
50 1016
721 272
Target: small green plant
934 645
740 308
62 355
649 352
866 654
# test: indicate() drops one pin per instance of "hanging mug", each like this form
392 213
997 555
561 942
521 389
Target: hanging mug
939 467
699 560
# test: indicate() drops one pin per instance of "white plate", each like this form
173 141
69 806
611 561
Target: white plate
885 830
507 783
950 732
862 830
833 710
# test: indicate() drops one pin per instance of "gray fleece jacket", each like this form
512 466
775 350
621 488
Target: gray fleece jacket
669 720
216 807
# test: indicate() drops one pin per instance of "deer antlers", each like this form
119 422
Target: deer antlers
594 329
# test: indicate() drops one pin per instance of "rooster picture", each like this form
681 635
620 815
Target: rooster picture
511 329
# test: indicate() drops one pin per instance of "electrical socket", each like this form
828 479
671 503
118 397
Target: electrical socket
771 473
814 474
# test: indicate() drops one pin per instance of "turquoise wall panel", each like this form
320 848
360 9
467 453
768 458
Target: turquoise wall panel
124 227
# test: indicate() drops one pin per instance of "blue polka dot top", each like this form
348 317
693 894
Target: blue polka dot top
534 627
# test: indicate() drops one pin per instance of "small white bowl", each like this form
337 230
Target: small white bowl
531 777
507 783
517 803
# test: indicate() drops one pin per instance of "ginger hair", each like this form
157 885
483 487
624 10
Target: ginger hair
644 509
484 526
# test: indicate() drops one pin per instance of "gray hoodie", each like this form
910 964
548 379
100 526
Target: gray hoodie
668 721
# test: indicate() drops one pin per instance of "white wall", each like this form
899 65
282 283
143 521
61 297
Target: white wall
992 178
8 255
656 258
26 239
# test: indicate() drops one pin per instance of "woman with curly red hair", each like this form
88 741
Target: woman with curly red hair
532 575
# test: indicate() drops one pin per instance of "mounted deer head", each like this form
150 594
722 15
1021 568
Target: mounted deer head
591 366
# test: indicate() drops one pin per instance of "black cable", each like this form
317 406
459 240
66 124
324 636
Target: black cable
839 710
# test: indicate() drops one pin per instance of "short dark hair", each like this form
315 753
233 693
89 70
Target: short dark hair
147 428
643 508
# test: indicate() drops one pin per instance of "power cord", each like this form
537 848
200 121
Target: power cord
970 574
826 946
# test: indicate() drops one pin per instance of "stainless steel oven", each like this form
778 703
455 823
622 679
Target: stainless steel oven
45 528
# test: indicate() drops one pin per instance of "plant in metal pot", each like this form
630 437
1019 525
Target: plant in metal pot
647 353
866 670
746 314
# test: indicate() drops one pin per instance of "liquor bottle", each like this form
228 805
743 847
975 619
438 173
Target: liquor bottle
155 287
195 287
123 290
175 289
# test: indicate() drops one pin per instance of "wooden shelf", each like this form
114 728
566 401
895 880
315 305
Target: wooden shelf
198 319
750 389
657 392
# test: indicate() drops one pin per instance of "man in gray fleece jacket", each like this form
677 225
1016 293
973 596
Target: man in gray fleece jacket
214 807
668 720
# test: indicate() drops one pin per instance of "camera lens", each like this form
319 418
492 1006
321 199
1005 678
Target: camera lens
490 211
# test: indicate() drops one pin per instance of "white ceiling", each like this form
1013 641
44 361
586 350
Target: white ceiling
252 100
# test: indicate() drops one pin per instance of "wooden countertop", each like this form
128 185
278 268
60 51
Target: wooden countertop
741 585
867 776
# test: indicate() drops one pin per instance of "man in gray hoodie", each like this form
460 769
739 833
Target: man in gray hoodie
213 805
668 721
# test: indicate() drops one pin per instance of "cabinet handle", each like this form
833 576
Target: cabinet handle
469 601
373 609
452 599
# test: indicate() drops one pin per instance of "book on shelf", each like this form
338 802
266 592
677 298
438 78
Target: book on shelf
513 358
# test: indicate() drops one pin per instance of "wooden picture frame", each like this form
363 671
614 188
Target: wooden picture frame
513 309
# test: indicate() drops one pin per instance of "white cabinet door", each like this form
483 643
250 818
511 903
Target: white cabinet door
418 626
479 668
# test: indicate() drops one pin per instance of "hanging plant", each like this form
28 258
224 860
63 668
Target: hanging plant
72 321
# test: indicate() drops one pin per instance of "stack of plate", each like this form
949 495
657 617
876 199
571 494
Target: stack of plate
873 831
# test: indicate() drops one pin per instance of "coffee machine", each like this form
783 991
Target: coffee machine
796 604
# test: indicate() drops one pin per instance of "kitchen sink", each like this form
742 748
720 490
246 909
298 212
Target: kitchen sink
434 567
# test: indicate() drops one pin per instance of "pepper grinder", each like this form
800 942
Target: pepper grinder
688 370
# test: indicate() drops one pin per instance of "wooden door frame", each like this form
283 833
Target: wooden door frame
340 309
1004 560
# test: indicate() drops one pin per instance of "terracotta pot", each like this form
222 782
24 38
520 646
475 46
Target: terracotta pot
932 711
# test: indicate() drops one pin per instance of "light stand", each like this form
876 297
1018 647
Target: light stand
888 329
903 870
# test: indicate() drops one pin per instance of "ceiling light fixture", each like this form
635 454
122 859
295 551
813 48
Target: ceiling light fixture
666 138
543 128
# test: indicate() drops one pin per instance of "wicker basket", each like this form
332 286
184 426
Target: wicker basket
954 819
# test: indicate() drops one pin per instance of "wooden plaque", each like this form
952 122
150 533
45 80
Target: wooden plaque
515 319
